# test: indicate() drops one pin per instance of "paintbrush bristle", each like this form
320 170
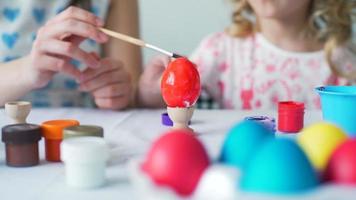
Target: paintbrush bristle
174 55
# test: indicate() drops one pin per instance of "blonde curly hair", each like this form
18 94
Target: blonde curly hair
330 21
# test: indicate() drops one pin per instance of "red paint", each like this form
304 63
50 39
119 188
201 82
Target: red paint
180 83
290 116
341 168
177 159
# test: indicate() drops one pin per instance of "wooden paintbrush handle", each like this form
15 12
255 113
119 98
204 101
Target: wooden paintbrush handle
138 42
124 37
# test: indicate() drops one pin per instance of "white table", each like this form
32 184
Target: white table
130 134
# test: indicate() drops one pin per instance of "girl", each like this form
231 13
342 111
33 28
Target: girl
275 50
39 48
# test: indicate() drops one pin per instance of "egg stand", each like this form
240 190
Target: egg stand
180 116
18 111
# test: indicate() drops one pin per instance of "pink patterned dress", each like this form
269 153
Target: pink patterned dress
252 73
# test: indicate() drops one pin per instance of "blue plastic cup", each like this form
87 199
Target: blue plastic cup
338 104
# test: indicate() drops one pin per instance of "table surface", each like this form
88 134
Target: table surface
129 134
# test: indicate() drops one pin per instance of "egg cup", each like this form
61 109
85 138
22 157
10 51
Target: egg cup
18 111
180 117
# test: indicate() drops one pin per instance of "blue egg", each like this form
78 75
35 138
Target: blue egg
279 167
242 142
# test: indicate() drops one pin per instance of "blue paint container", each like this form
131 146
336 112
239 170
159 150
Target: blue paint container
338 105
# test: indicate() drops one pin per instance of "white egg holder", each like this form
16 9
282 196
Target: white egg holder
219 182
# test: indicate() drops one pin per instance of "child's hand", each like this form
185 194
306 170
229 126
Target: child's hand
149 91
58 42
110 84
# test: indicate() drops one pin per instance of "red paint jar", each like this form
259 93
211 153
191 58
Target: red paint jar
21 142
290 116
52 131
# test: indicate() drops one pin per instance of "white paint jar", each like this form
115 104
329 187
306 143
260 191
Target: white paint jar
85 161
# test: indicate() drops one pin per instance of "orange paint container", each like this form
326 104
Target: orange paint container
52 131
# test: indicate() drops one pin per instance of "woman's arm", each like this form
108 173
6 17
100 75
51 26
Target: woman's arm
14 81
123 17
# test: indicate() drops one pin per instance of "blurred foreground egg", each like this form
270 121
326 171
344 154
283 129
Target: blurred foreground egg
218 182
242 142
319 141
341 168
279 167
177 159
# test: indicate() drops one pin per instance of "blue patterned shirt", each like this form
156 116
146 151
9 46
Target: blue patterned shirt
19 22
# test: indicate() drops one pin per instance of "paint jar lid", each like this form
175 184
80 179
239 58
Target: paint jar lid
166 120
21 133
260 119
83 130
290 106
268 122
84 150
54 129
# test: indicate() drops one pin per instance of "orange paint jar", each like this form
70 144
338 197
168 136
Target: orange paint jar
52 131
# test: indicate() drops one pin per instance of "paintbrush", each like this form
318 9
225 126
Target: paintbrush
138 42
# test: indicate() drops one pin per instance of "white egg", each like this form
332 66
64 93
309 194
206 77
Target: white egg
218 182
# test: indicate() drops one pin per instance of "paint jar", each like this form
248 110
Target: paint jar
21 141
52 131
290 116
85 161
338 105
83 130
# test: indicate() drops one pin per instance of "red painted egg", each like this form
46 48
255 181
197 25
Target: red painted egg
177 159
180 84
341 168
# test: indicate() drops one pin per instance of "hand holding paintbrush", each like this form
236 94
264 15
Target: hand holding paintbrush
137 42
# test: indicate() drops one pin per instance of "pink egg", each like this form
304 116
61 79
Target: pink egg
177 159
341 168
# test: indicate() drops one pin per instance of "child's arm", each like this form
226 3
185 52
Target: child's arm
56 44
113 85
149 89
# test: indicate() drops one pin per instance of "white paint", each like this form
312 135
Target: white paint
186 104
170 80
85 161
